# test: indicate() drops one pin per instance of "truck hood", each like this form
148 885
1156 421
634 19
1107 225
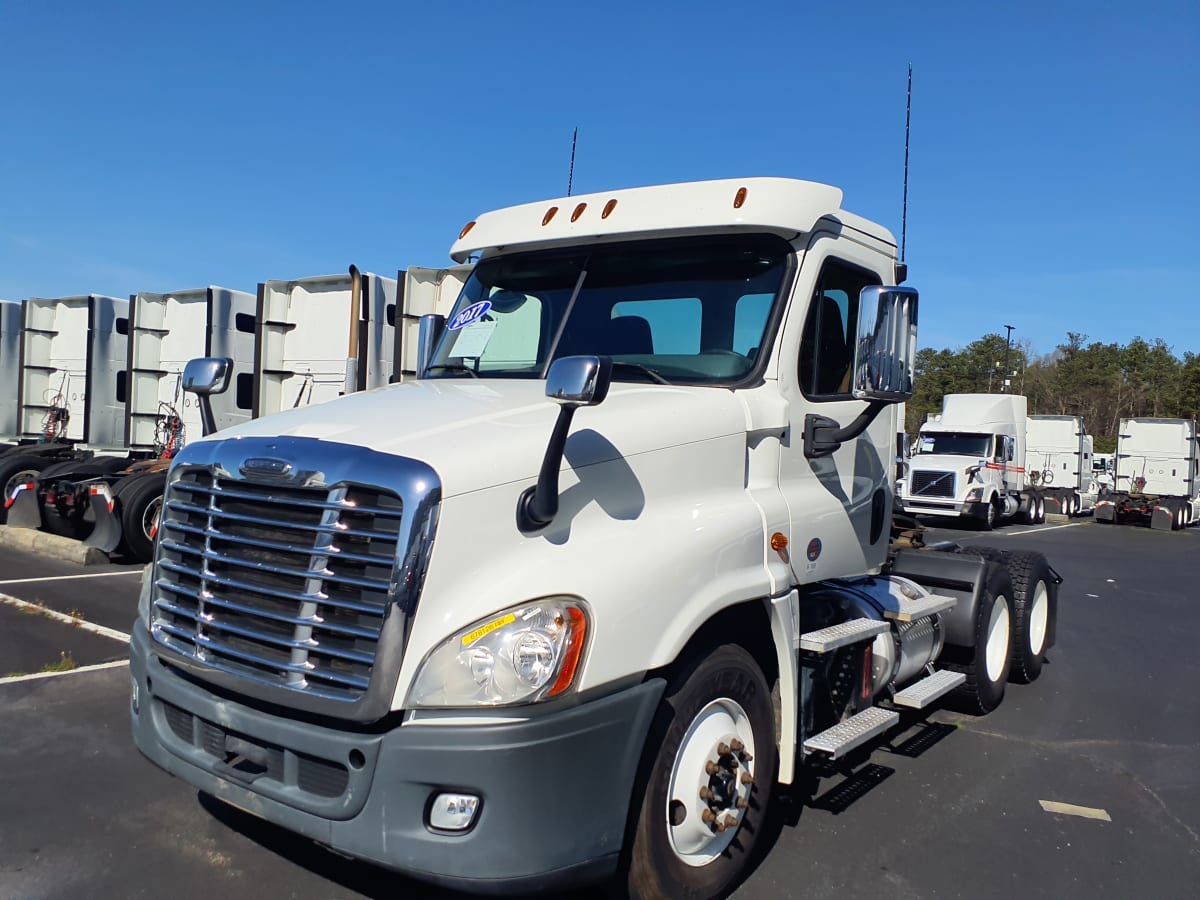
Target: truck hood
478 433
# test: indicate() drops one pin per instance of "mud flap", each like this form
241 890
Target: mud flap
1105 513
25 511
1162 519
106 535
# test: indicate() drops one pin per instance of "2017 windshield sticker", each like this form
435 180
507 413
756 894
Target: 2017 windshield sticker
470 315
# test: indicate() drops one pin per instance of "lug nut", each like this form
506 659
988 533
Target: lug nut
737 746
730 821
711 767
707 816
721 825
741 803
706 794
747 758
722 749
746 778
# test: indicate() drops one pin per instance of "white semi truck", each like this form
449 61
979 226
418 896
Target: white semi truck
571 604
1157 476
1058 458
969 462
70 403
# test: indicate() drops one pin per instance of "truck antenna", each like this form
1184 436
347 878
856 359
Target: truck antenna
571 171
904 208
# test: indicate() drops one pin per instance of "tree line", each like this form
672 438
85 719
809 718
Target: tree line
1101 382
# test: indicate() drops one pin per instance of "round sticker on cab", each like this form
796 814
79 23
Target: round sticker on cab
470 315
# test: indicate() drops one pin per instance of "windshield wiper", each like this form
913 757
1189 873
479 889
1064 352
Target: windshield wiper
617 364
454 367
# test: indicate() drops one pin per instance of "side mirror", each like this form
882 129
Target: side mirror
579 380
572 381
429 330
204 377
207 375
886 348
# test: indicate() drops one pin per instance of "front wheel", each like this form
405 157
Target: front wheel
707 776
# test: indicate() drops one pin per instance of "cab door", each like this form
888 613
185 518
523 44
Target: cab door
840 504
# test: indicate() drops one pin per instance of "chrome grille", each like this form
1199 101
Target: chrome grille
932 484
280 583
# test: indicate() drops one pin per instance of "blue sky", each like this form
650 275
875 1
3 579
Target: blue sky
1054 183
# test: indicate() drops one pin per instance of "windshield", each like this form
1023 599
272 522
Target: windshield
953 443
686 311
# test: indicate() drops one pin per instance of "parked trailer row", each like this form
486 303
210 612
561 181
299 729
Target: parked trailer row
298 342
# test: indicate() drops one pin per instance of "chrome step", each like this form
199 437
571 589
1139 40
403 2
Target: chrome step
910 610
849 632
844 737
928 689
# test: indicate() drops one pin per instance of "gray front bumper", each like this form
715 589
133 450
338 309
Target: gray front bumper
555 789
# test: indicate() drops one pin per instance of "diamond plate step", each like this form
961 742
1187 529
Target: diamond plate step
909 610
850 632
842 738
928 689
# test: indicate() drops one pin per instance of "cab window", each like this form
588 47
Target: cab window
827 345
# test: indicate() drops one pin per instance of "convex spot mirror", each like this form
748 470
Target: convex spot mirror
886 345
207 375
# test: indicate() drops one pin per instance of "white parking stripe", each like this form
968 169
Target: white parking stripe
1036 530
68 577
96 668
26 606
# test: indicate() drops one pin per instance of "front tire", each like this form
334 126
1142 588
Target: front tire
703 802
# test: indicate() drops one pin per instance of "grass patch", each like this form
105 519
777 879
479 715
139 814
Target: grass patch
65 663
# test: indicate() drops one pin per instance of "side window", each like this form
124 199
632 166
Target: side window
827 346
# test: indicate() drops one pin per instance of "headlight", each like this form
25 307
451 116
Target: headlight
521 655
974 495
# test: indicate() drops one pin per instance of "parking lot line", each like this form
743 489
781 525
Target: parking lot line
68 577
26 606
96 668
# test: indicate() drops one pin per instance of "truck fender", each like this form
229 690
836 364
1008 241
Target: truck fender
949 573
784 613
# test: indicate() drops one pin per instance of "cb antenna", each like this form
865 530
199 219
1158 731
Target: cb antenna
571 171
904 208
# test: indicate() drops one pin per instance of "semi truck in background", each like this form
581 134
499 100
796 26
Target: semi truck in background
70 400
388 621
422 292
1058 458
970 462
1157 475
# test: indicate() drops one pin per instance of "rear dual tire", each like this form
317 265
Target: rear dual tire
987 662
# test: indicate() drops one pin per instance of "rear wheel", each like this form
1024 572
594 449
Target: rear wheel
140 498
987 662
707 775
23 468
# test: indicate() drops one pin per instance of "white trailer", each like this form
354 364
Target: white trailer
71 403
407 628
1058 458
422 292
321 337
1156 477
10 367
969 462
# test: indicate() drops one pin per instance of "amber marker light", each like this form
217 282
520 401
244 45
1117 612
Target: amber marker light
739 198
466 229
779 542
608 208
550 213
578 212
577 631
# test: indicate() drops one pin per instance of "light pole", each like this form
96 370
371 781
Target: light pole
1007 348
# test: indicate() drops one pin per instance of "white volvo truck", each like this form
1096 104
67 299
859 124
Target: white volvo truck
1058 458
10 367
570 605
969 462
1157 476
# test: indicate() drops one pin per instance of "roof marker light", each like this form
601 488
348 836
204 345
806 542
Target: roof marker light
549 215
608 208
466 228
739 198
578 212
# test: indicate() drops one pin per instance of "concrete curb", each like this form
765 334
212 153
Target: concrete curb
51 545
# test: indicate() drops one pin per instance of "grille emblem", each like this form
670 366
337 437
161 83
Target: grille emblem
266 465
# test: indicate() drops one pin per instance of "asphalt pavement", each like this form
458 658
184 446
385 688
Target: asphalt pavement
949 806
